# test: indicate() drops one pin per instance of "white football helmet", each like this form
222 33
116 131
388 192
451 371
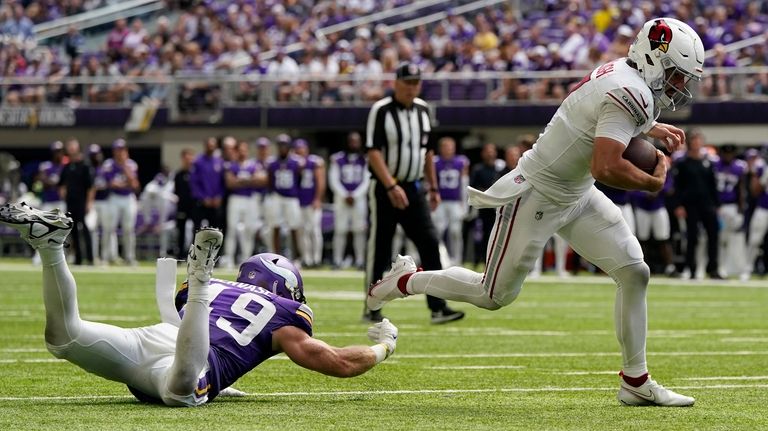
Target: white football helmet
668 51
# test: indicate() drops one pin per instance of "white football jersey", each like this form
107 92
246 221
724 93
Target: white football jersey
614 102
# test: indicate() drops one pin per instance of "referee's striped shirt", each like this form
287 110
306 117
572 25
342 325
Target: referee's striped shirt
402 135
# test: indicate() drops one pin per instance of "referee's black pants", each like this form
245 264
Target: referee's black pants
416 222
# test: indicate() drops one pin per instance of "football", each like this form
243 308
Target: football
641 153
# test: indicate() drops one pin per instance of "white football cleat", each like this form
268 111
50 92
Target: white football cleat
203 253
651 393
386 289
39 228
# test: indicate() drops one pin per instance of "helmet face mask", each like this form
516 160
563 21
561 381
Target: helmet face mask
669 55
275 273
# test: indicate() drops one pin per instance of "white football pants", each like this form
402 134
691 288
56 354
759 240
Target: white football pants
594 228
243 221
122 211
349 218
144 358
449 216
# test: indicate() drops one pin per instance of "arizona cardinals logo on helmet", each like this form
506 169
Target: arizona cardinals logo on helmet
660 35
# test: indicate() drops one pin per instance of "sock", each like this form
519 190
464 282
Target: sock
403 282
634 381
50 256
197 291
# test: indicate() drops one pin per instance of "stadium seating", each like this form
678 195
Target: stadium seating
217 38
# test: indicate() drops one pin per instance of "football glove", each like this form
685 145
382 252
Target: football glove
385 333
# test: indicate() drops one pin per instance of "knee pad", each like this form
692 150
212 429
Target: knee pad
506 291
636 274
58 351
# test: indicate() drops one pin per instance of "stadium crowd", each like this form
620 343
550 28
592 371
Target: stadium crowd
214 37
271 190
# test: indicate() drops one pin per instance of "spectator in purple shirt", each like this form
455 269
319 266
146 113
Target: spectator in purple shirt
206 181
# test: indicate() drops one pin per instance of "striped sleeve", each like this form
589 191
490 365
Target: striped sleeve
375 135
636 105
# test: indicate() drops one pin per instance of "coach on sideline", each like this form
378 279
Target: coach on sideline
403 186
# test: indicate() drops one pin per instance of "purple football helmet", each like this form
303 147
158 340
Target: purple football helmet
275 273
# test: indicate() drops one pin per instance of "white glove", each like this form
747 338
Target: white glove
385 333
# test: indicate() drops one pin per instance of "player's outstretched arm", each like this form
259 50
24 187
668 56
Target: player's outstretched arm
319 356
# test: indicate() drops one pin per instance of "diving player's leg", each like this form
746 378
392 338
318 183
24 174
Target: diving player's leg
193 343
46 231
104 350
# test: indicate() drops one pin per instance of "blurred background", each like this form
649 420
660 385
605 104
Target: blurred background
167 75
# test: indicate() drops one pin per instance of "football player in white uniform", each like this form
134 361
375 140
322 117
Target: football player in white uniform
552 191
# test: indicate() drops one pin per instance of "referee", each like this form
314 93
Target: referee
403 187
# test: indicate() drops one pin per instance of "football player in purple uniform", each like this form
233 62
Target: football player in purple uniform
348 178
226 329
311 194
240 177
452 181
282 205
730 175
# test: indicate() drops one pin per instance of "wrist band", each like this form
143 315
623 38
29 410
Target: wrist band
381 351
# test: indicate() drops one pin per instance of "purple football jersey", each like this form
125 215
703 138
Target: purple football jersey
762 200
449 173
244 170
241 322
113 172
206 178
51 172
260 168
352 167
617 196
308 185
101 184
284 175
652 201
728 176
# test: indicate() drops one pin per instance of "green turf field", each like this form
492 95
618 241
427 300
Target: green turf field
548 361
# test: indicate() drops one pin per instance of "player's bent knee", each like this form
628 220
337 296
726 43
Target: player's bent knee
182 382
491 305
634 275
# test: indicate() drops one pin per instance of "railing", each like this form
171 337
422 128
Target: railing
441 89
96 17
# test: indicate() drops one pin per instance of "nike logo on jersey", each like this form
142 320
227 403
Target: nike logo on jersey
645 104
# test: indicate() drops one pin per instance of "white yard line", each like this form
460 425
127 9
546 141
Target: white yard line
574 354
494 355
397 392
726 378
346 274
477 367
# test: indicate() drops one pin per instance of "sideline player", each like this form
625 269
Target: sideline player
227 328
452 180
552 191
348 180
